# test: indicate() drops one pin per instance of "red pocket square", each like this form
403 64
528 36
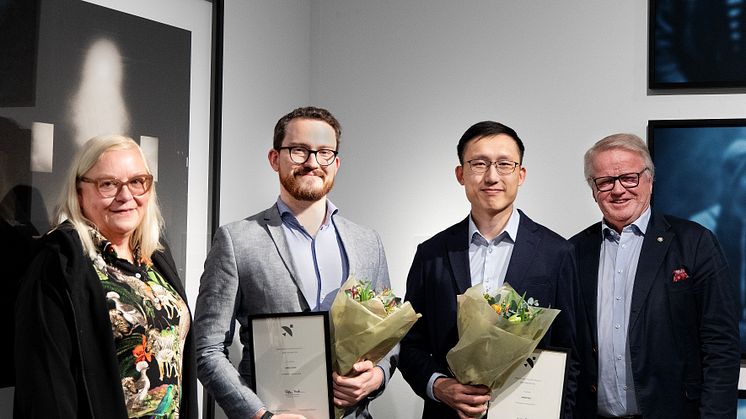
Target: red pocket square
680 275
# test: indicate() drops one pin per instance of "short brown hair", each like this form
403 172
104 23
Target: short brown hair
308 112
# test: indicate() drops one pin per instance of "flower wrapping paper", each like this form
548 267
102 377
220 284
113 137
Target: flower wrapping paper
363 330
358 333
490 346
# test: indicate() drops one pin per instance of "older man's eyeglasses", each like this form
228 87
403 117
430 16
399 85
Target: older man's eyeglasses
627 180
110 187
504 167
299 155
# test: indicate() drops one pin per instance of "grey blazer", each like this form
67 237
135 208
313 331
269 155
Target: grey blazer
249 271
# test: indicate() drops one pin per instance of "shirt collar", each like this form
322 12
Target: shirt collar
287 214
640 225
509 233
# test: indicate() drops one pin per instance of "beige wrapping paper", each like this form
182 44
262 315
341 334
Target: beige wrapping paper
489 345
363 330
358 333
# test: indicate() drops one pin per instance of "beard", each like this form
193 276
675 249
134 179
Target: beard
302 192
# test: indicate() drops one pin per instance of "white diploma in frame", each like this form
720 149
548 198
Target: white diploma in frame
534 390
292 363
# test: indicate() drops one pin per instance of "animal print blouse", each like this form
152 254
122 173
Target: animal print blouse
150 322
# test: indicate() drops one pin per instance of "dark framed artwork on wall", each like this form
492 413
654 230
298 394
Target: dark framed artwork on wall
102 67
697 44
141 68
700 175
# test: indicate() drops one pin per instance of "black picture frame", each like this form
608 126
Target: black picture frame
698 45
700 167
162 62
320 320
31 92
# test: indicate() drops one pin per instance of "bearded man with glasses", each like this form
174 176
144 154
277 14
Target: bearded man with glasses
658 325
291 257
495 243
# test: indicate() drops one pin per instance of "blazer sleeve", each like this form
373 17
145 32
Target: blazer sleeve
718 330
215 318
416 360
45 351
391 360
564 328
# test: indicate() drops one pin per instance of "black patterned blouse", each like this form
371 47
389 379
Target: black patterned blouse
150 323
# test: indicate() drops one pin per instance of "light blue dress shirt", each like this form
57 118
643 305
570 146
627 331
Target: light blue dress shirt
320 262
620 254
488 263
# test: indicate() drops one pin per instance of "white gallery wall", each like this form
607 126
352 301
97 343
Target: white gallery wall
406 78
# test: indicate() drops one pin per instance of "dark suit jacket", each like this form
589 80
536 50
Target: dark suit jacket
683 336
542 266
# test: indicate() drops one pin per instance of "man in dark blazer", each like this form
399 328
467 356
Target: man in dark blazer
658 333
496 243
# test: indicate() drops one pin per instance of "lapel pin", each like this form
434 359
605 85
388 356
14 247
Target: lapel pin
660 239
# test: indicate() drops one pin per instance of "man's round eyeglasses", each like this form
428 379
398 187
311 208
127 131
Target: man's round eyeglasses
504 167
627 180
110 187
299 155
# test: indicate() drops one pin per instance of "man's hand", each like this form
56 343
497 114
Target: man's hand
468 401
364 379
278 416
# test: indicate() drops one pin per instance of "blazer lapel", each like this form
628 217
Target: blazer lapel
274 227
347 243
654 247
588 249
458 255
524 250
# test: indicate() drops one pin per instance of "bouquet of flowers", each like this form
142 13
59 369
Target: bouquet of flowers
496 334
366 324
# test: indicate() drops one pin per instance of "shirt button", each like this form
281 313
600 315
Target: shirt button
625 388
620 271
490 250
619 357
619 298
616 326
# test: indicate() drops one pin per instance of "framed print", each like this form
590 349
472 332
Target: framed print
697 44
534 390
102 67
700 175
291 363
74 69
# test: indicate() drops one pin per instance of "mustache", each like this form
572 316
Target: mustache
308 170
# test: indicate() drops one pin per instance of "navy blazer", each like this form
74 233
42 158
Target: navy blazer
541 265
682 335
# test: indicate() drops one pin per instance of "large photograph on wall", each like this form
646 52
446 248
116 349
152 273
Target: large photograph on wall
97 71
73 69
700 175
697 44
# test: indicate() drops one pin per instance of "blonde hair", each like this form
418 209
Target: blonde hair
146 236
628 142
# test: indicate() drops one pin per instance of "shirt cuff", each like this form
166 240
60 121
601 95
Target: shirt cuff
430 384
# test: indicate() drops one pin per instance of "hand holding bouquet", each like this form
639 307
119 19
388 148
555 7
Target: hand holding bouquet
496 334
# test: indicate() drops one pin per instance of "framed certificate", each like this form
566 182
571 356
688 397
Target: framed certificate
534 390
291 368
